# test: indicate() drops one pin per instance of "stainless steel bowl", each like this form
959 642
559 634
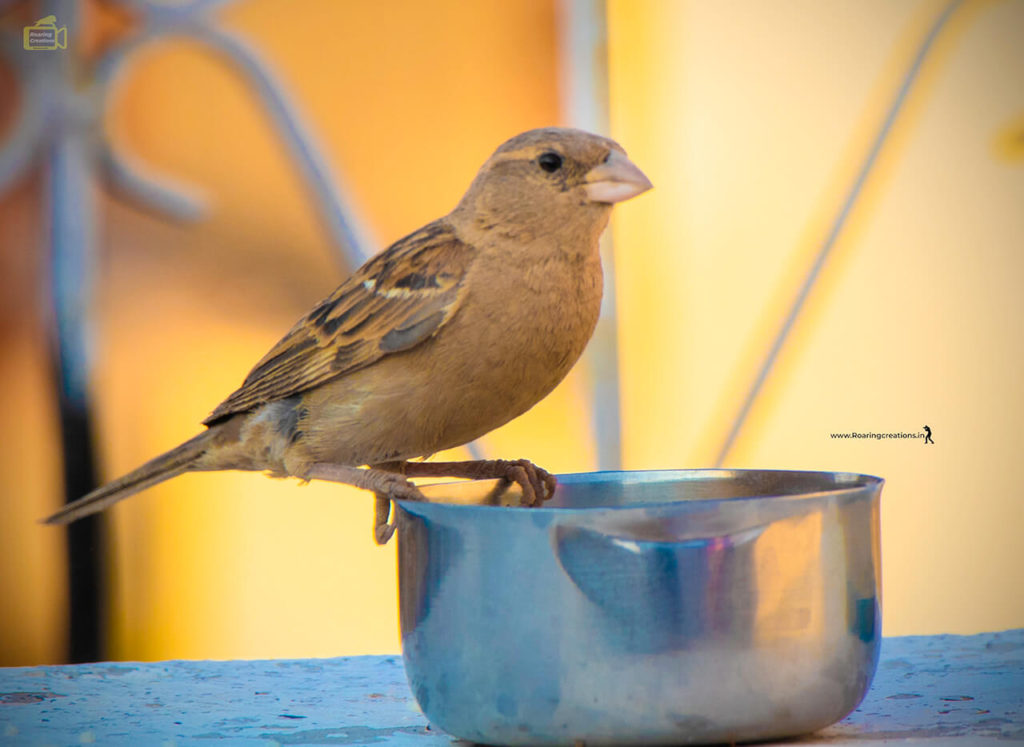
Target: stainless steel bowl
691 606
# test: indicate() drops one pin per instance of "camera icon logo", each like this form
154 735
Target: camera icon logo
45 34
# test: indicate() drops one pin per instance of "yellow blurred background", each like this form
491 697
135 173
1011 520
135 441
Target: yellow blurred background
750 118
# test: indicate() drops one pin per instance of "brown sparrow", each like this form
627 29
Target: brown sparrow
449 333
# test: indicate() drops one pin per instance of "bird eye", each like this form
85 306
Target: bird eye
550 161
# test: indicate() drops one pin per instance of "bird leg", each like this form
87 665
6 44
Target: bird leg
388 482
386 486
537 484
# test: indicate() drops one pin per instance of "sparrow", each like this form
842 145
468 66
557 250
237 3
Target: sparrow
447 334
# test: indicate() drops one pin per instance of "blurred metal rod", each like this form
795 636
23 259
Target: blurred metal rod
346 227
155 8
837 226
335 200
23 143
148 191
71 205
127 177
583 30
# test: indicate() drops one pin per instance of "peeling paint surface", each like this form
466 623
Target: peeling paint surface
934 691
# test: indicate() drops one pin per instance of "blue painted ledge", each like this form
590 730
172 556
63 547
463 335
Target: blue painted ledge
933 691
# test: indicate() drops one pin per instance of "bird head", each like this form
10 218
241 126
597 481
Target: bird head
551 178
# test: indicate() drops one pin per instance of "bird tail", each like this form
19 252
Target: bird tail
163 467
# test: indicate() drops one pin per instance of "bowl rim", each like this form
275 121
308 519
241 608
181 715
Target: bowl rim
866 483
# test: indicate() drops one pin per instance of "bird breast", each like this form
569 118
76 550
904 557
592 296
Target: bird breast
517 333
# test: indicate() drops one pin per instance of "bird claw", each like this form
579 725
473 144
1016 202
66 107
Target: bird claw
382 528
397 488
393 487
537 484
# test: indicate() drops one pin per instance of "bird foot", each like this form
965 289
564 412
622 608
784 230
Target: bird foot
537 484
386 486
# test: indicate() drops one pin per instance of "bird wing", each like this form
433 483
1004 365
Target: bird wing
398 299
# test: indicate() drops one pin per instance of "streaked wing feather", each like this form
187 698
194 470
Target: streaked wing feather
399 298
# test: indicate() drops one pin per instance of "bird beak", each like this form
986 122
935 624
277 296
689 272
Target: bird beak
615 180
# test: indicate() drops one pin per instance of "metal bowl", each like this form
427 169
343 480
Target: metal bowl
690 606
